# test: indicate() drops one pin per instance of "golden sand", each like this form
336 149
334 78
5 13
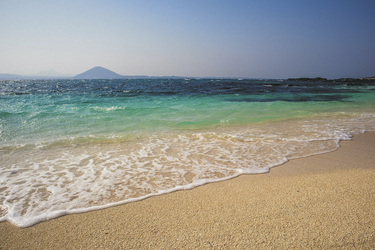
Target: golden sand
323 201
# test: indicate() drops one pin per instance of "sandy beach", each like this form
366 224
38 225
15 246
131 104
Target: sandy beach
323 201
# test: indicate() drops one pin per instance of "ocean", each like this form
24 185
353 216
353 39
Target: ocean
71 146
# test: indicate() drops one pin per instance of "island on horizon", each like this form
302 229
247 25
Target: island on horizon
99 72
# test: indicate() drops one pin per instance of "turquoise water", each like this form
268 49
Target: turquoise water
69 146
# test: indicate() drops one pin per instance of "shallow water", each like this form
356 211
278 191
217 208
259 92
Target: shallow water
69 146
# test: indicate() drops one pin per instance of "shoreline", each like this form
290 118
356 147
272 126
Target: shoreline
323 200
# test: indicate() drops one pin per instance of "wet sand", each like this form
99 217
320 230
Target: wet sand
322 201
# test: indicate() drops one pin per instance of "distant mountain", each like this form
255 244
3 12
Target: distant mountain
31 77
98 73
10 77
94 73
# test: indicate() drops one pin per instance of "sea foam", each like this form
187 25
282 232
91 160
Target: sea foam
43 182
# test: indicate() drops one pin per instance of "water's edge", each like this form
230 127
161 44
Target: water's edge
56 214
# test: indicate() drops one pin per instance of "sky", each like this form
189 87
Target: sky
197 38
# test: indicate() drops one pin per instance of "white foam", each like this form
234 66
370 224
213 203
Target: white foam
40 183
113 108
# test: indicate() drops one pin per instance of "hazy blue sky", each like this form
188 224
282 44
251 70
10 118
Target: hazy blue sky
267 39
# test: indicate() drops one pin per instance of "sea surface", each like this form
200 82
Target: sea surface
71 146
